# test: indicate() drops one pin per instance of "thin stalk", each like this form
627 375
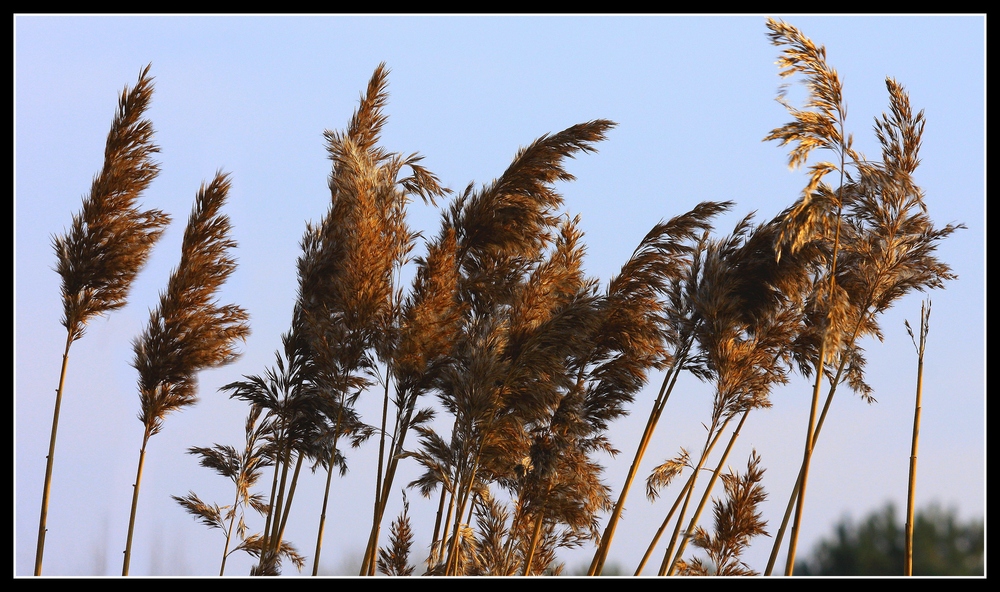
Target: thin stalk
326 491
463 503
673 538
597 564
270 503
135 502
663 526
276 543
446 526
322 522
806 457
274 516
535 536
795 488
46 488
434 556
820 363
368 563
708 490
798 480
464 493
229 534
713 437
515 522
912 483
463 499
398 439
784 521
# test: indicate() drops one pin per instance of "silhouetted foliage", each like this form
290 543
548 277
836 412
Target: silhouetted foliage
942 546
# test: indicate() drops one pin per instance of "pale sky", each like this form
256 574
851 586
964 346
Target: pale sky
693 97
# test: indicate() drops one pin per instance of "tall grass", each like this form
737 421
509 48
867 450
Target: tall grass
189 330
911 488
502 366
107 244
881 241
521 311
681 256
737 520
244 468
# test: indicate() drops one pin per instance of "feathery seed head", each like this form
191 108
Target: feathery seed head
189 331
110 239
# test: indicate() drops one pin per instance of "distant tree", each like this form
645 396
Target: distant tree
942 546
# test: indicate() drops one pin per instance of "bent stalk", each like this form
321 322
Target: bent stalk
663 527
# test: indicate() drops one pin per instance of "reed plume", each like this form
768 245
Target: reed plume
504 227
494 535
647 298
244 468
107 244
350 302
257 546
820 125
501 232
551 322
188 331
736 522
742 349
394 561
110 238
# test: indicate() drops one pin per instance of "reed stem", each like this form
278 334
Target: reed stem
46 487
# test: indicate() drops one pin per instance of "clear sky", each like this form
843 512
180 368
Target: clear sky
693 97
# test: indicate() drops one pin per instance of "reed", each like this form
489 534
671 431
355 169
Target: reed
911 488
820 125
674 249
291 410
375 242
503 332
189 330
394 561
353 308
737 520
501 233
107 245
244 468
748 300
428 325
876 222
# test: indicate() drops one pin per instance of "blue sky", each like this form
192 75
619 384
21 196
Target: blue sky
693 97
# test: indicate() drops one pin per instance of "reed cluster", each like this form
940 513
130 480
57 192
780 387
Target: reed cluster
502 366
